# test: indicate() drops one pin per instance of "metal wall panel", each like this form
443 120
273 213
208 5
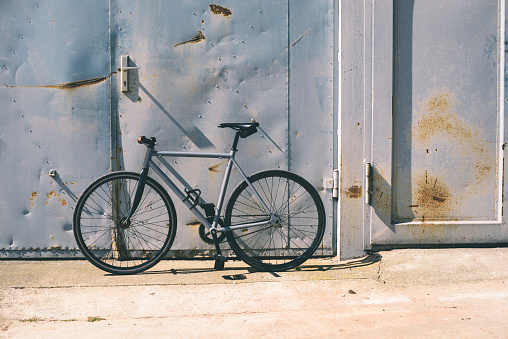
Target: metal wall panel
311 117
269 61
54 116
236 69
437 148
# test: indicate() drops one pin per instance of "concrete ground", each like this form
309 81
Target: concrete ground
450 293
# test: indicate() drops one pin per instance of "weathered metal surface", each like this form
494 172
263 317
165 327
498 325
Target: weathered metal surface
199 64
55 117
443 181
249 60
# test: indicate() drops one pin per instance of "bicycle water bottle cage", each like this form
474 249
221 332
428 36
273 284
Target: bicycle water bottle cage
245 129
149 142
193 196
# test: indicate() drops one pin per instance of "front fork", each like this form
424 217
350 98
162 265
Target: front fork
142 180
137 197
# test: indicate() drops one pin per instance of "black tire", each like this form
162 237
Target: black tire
276 247
110 245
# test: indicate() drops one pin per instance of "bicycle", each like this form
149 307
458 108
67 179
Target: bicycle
125 222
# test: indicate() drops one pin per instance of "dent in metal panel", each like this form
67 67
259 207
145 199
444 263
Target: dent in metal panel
237 72
310 91
54 125
52 43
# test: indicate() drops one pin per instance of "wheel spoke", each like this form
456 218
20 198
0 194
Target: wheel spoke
111 243
299 210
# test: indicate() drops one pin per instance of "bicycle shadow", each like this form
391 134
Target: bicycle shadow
241 273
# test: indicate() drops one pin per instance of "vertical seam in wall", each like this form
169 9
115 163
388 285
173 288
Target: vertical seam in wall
289 89
112 120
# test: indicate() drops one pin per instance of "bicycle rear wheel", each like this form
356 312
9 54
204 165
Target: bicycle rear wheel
275 247
107 241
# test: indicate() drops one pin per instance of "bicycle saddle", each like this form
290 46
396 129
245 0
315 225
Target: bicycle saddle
245 129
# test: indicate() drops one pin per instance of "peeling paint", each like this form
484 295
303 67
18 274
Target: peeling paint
70 85
354 192
196 38
216 9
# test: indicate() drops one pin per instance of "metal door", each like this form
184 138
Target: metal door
193 65
436 162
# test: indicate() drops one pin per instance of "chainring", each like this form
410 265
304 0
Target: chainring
207 236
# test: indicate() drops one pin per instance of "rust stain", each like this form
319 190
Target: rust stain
214 168
431 198
216 9
52 194
71 85
440 120
195 223
196 38
33 198
354 192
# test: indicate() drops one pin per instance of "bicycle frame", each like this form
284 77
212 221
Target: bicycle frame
148 163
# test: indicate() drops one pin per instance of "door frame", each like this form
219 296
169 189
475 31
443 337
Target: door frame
366 86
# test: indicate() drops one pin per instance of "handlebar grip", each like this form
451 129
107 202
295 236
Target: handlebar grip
142 140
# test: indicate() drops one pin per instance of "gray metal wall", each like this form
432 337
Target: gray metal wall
63 109
428 118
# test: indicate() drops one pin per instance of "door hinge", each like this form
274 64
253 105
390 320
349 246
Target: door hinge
368 182
335 187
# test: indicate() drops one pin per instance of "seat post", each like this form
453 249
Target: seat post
235 142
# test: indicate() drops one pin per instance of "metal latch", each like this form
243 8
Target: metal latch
124 71
335 187
368 180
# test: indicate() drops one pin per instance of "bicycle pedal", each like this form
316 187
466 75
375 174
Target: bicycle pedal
219 262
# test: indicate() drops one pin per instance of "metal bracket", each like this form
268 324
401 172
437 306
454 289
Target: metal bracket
124 72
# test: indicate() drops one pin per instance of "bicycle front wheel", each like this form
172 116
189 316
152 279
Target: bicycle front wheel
294 239
110 243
